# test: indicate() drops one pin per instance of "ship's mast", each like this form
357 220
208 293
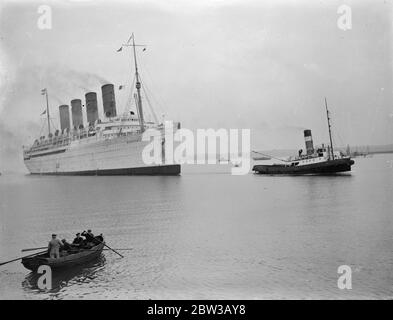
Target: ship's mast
138 89
330 131
47 110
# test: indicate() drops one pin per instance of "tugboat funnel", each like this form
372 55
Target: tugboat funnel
309 142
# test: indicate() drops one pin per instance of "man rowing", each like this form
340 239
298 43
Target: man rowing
78 241
66 245
89 235
91 239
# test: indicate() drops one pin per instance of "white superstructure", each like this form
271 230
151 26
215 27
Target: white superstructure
113 147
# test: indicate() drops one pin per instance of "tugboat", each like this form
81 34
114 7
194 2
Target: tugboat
319 161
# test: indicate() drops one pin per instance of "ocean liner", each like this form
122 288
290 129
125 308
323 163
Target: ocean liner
320 161
111 145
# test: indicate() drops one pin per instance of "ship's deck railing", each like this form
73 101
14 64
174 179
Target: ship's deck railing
102 130
48 144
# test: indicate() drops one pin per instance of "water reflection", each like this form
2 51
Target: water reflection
66 277
207 235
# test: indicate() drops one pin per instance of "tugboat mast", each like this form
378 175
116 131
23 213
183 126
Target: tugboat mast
330 131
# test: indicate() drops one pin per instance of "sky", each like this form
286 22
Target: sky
259 65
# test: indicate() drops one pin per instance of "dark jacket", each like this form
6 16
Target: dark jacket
78 241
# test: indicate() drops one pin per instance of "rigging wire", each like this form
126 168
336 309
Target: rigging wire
336 134
42 127
267 155
136 103
160 104
53 124
149 102
339 137
128 102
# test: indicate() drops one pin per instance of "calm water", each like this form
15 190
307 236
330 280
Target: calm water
207 234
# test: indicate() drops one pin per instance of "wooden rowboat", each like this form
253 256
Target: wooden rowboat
72 258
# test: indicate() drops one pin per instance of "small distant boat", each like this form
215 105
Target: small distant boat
323 160
72 258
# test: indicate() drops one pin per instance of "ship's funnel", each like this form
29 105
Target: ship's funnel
64 111
91 107
309 142
76 109
108 100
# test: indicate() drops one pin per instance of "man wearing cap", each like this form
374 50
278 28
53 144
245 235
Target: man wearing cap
89 235
54 247
78 241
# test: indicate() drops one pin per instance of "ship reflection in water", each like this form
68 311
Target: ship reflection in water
208 234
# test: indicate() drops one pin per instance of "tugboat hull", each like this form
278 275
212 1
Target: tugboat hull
322 168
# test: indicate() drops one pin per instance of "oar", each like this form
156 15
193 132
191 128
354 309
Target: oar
110 248
119 249
30 255
32 249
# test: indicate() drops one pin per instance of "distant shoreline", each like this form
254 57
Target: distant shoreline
375 152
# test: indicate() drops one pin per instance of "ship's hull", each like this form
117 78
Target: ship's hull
321 168
91 156
162 170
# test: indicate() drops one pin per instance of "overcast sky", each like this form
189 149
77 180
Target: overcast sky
263 65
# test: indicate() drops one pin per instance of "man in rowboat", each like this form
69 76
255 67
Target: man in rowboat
54 247
91 239
89 236
78 241
66 245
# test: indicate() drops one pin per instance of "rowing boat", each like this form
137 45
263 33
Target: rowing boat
71 258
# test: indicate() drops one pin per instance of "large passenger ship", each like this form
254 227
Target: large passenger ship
111 145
